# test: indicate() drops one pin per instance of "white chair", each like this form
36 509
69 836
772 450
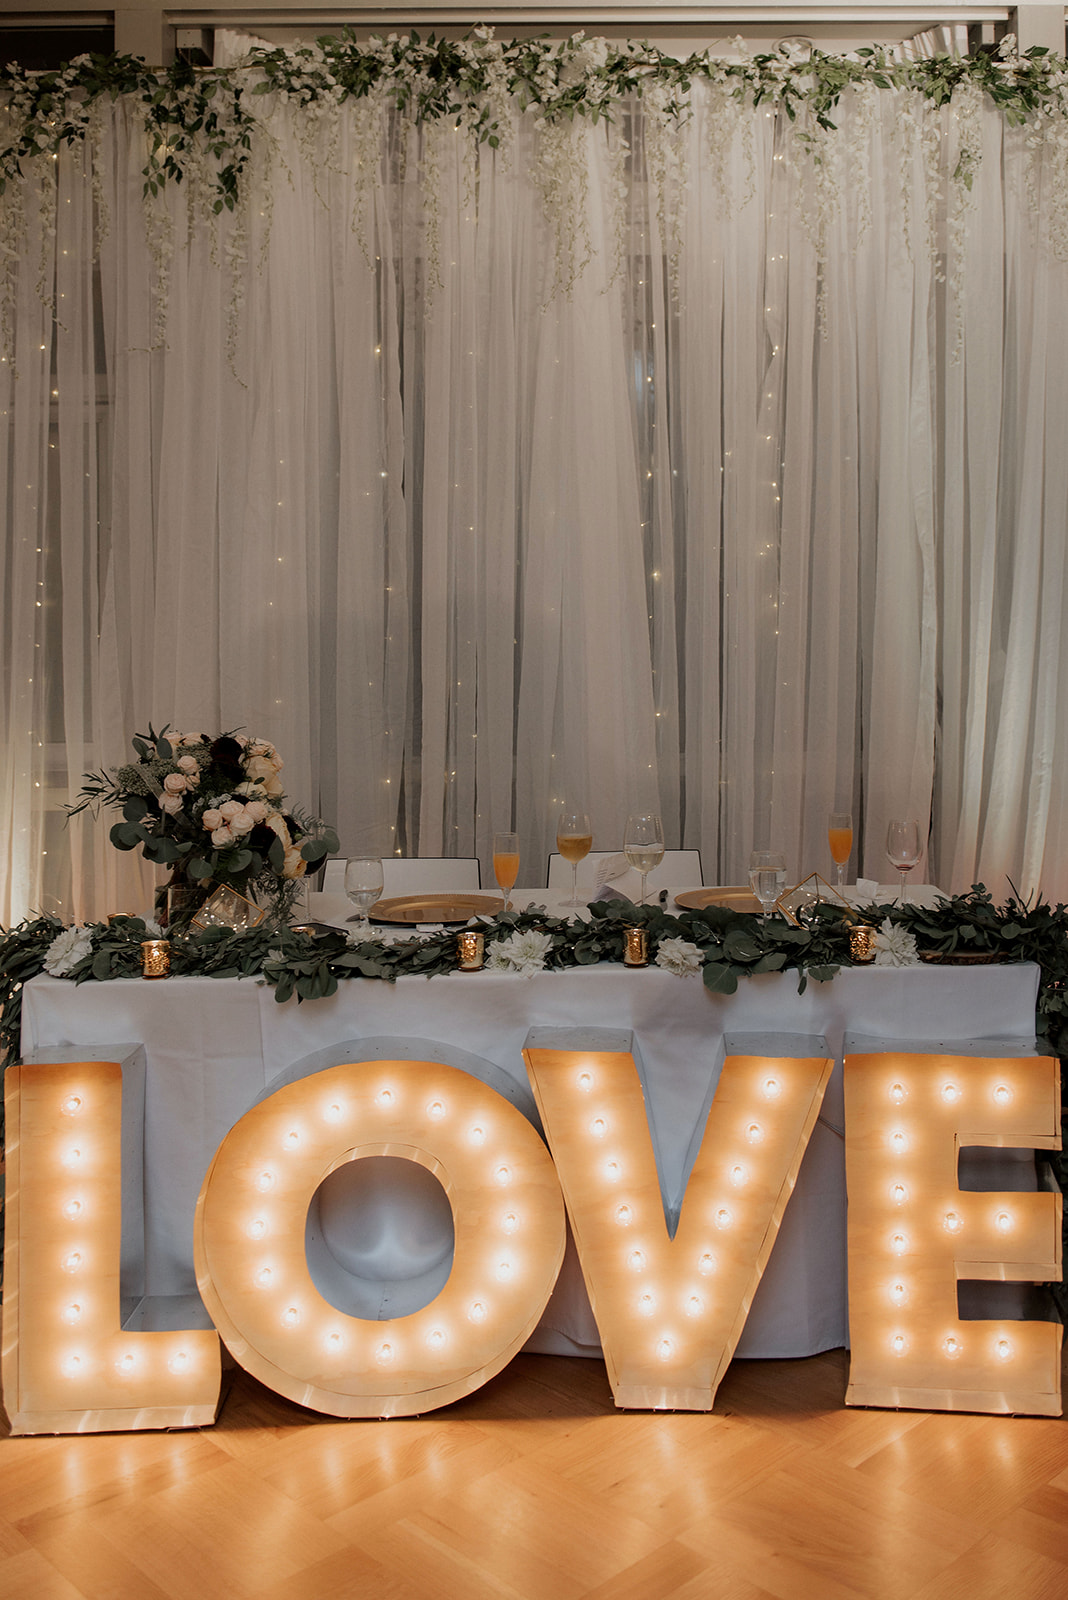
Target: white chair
680 869
413 875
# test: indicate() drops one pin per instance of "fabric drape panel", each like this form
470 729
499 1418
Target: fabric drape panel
722 480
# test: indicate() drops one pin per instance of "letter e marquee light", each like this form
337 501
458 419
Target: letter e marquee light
252 1266
913 1233
671 1308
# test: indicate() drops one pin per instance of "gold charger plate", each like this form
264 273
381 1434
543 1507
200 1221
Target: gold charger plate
739 899
411 908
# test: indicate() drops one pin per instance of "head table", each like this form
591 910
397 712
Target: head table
213 1046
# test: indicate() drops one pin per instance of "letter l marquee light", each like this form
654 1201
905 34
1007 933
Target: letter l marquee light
671 1305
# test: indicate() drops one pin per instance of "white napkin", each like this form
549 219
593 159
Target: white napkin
608 869
864 892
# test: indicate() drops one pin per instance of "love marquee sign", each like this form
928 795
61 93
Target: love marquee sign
670 1287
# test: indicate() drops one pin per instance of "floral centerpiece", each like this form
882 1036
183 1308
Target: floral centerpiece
211 809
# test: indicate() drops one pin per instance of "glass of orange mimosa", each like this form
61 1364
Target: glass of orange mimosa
505 863
840 839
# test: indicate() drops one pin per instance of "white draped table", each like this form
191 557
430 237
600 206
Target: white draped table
213 1047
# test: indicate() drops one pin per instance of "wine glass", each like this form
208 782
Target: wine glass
767 877
903 850
574 836
840 839
363 885
643 844
505 863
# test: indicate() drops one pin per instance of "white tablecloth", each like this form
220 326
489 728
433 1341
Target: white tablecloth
214 1045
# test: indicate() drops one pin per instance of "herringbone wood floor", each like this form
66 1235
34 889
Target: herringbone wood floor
537 1487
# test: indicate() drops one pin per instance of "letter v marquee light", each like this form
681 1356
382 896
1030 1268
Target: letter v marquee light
670 1306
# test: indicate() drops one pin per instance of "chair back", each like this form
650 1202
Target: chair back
413 875
680 869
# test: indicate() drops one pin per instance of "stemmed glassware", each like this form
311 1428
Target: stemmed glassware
643 844
903 850
505 864
840 839
767 877
363 885
574 836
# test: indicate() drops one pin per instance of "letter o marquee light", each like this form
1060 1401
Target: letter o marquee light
249 1241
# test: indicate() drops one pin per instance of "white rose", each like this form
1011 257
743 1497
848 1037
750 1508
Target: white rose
170 803
222 836
242 824
230 809
175 783
212 819
188 765
66 950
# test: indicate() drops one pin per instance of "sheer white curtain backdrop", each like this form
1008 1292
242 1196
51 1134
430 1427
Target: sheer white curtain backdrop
706 526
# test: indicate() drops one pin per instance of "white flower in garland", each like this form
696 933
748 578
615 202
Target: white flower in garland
895 946
67 949
523 953
679 956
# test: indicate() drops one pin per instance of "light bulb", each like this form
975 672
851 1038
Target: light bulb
72 1366
706 1263
333 1342
898 1141
290 1317
477 1135
71 1313
624 1216
636 1261
265 1181
332 1113
738 1175
72 1209
646 1304
899 1344
73 1156
292 1139
754 1133
71 1105
612 1171
504 1271
898 1293
125 1364
476 1311
179 1362
1002 1094
898 1093
665 1349
722 1218
72 1262
437 1339
772 1088
898 1193
598 1127
898 1243
1003 1349
950 1093
384 1097
1003 1222
384 1355
953 1222
436 1110
694 1305
263 1278
503 1176
585 1081
256 1228
509 1222
952 1346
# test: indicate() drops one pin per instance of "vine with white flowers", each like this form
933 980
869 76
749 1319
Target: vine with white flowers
207 129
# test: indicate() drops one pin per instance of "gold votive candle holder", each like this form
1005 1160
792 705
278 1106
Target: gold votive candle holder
635 947
862 942
155 958
470 946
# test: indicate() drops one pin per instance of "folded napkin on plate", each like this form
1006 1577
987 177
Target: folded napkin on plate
864 891
608 868
608 892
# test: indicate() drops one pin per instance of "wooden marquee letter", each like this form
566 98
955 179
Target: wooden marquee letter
913 1234
251 1260
670 1302
73 1253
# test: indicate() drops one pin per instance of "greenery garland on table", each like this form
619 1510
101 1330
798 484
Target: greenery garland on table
724 945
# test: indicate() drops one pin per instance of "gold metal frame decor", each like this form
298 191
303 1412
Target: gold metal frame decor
824 891
228 909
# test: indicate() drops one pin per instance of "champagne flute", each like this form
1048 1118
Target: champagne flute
903 850
767 877
574 836
505 863
840 839
363 885
643 844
